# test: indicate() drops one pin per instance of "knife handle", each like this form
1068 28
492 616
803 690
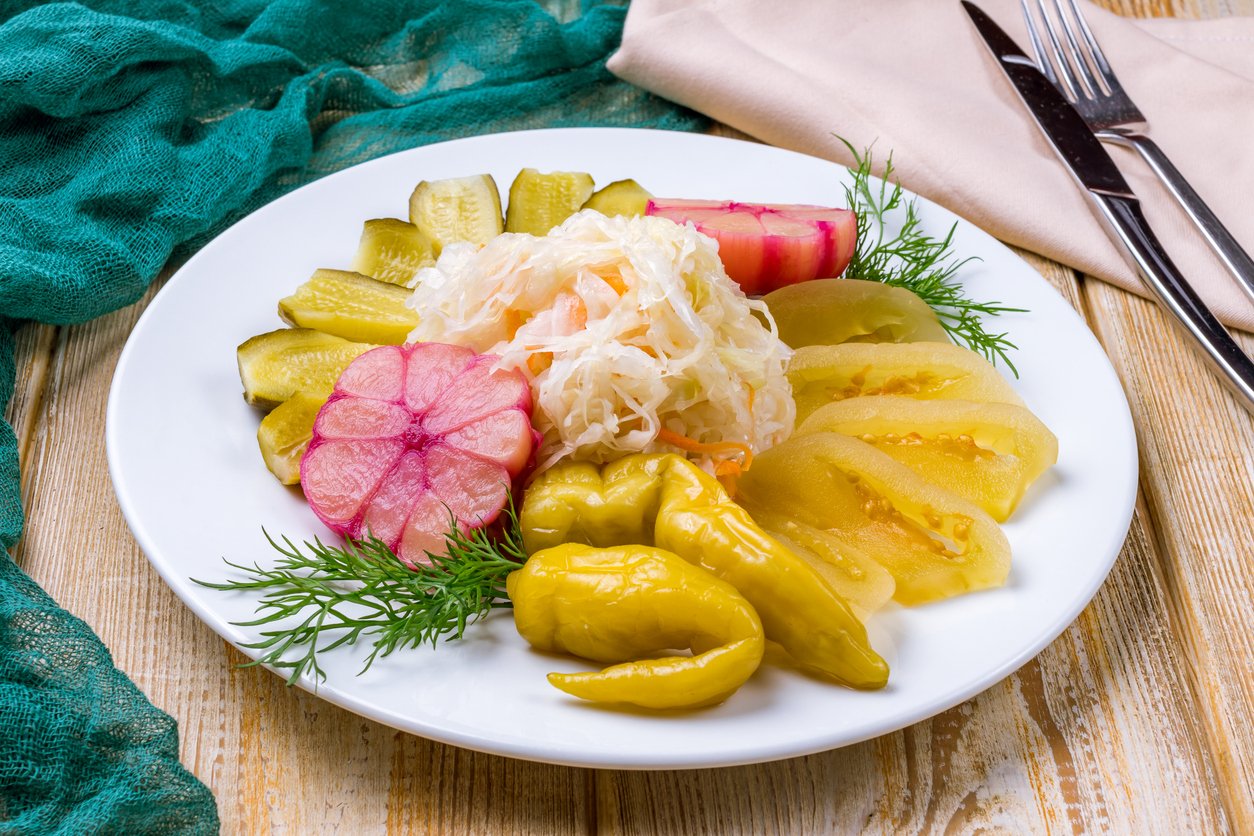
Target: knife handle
1236 259
1129 228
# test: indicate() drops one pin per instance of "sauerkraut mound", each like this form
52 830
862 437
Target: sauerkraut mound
626 328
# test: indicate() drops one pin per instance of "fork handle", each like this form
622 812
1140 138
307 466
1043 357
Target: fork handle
1236 259
1128 227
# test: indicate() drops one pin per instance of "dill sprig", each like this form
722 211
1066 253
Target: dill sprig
916 261
363 589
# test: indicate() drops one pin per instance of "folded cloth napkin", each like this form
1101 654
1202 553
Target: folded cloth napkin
913 77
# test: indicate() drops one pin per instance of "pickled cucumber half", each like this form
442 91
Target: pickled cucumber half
539 201
458 209
275 366
285 433
392 250
351 306
622 197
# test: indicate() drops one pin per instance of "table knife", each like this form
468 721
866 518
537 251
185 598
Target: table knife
1117 206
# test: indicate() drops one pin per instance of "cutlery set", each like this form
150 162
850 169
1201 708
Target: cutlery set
1078 103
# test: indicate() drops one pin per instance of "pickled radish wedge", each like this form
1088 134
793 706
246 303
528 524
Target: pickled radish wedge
764 247
414 436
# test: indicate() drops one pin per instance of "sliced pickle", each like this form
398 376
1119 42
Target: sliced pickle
820 374
285 433
392 251
833 311
934 543
988 453
351 306
539 201
275 366
458 209
622 197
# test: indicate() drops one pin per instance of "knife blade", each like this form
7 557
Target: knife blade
1117 205
1065 129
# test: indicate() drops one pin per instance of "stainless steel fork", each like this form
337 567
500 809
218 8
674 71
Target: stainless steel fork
1077 67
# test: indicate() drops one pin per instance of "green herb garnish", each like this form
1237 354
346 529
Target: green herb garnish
916 261
364 589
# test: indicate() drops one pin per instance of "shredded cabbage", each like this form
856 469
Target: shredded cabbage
625 327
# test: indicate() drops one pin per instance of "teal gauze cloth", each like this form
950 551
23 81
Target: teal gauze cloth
132 131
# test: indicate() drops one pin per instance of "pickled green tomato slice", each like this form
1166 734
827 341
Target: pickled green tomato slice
934 543
414 437
821 374
833 311
988 453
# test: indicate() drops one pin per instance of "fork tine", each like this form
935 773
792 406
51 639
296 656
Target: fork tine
1106 74
1038 48
1070 84
1091 86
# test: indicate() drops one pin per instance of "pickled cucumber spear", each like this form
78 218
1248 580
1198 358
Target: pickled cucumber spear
285 433
392 250
622 197
275 366
351 306
458 209
540 201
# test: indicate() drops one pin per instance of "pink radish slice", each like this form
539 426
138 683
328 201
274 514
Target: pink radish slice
764 247
412 434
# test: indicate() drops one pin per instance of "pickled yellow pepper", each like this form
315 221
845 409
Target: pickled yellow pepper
666 501
621 604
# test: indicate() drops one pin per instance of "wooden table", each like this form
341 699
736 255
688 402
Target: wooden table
1135 719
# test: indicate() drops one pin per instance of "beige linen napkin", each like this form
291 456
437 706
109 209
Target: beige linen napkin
913 77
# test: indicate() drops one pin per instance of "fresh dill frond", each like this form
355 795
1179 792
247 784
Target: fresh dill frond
363 589
917 261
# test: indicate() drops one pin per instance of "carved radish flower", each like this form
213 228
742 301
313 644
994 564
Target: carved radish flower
413 434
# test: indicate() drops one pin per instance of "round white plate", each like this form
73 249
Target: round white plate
183 456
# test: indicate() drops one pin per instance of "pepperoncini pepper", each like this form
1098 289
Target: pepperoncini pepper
619 604
666 501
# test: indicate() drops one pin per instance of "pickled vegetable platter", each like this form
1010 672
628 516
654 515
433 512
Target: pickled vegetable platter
1063 534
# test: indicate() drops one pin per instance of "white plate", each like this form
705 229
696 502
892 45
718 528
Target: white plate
183 456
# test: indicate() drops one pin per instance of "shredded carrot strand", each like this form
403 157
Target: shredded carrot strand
711 448
612 276
538 362
727 472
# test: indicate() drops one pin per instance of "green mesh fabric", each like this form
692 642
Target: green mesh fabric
132 131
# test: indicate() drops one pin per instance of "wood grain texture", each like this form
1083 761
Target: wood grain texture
1197 453
1134 720
33 351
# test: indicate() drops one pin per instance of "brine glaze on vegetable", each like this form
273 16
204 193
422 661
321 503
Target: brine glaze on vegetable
666 501
833 311
988 453
764 247
820 374
627 605
539 201
935 544
351 306
276 365
413 439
